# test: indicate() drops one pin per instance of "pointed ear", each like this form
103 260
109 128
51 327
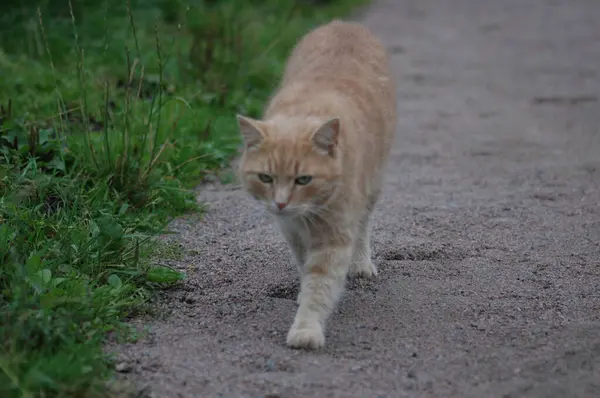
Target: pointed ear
251 131
325 138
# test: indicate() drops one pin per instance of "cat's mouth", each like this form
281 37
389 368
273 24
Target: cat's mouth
285 213
288 212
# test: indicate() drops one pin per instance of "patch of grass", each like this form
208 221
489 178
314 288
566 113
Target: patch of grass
110 111
167 250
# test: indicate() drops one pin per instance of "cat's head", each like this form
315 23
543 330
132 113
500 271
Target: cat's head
291 165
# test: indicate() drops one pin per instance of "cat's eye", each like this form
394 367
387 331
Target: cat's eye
303 180
267 179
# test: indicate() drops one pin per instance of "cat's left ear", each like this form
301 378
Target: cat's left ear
325 138
251 131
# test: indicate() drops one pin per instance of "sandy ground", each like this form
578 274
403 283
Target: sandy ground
487 236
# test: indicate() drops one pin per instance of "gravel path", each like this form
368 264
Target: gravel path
486 238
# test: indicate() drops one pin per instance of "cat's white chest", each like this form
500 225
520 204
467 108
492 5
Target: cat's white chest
295 229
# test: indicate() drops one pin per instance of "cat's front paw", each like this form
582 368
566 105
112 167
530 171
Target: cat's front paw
307 336
363 268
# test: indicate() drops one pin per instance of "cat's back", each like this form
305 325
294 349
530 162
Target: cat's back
338 49
345 65
342 69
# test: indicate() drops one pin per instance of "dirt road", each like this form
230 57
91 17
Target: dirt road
487 236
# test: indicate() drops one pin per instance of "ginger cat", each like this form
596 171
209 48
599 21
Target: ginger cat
315 160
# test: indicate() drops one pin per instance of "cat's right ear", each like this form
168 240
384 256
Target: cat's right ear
325 138
250 130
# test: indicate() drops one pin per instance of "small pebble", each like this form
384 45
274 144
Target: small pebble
123 367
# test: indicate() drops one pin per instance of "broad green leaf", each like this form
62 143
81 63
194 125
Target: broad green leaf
114 281
110 228
164 275
46 275
57 163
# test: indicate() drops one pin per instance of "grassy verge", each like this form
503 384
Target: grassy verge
110 111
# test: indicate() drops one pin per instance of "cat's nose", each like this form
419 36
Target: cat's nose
280 205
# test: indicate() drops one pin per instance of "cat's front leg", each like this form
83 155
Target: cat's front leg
320 290
299 253
362 264
297 246
294 240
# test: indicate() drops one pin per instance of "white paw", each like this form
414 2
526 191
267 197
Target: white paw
363 268
308 336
